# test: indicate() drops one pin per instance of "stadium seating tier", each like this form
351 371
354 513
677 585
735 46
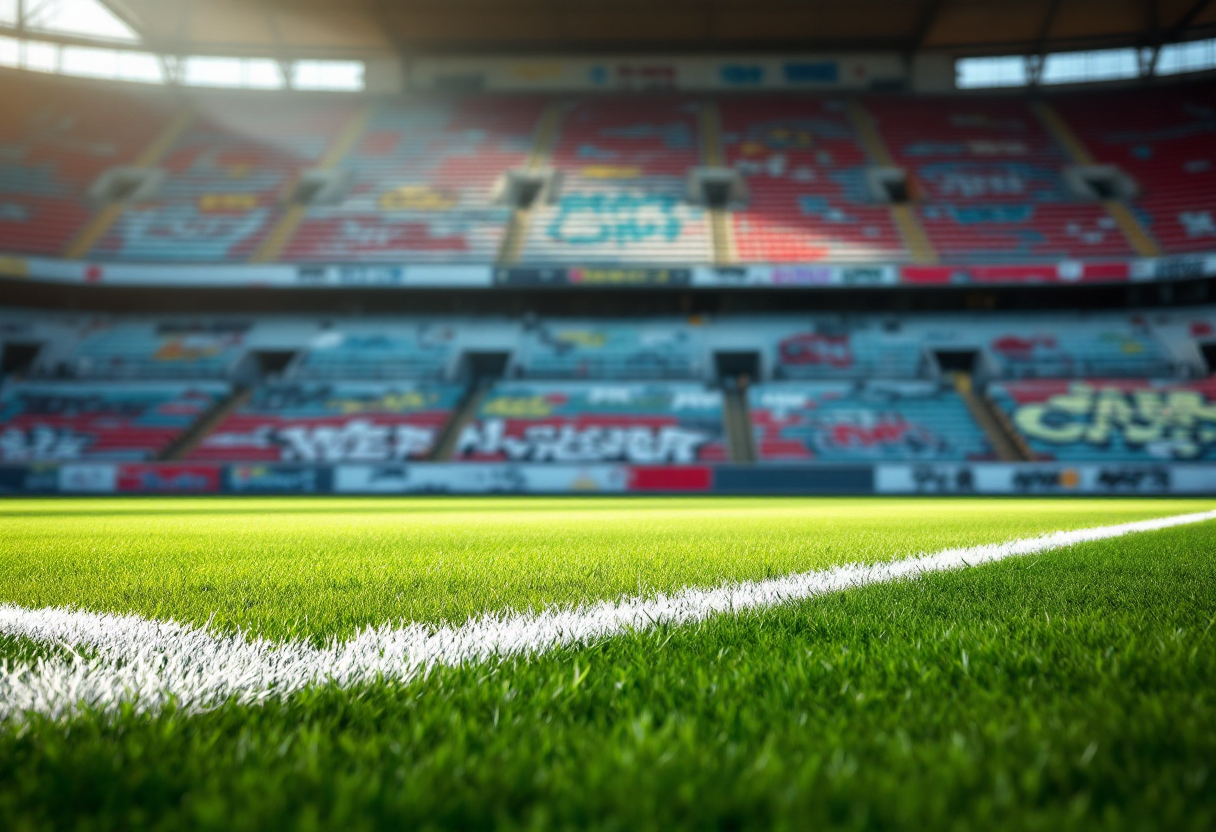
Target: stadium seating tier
72 421
863 422
333 422
596 422
1116 420
421 179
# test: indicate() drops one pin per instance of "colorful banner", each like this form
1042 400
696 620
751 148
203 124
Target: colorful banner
1050 479
457 478
592 275
995 478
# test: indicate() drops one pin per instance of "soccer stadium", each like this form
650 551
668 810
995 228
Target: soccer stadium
570 414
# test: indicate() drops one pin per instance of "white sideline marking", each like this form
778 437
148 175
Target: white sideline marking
147 664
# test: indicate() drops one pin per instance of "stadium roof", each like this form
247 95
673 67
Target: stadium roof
413 27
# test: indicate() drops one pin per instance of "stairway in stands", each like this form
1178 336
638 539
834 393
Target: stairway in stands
181 447
521 217
739 437
1006 441
465 412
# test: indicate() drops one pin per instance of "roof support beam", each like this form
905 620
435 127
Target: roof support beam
1049 20
924 25
390 31
1161 37
1036 59
1183 23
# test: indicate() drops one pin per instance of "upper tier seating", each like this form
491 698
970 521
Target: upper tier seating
333 422
388 350
863 422
597 422
228 180
624 164
130 422
1063 348
417 179
619 350
989 180
55 140
805 174
423 180
863 349
139 350
1113 420
1165 139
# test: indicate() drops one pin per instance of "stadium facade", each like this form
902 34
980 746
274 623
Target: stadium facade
619 269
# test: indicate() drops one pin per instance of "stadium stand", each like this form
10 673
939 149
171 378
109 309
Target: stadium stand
805 172
1064 348
388 350
863 422
625 350
422 180
624 164
333 422
146 350
1165 140
853 349
1116 420
229 178
823 387
425 183
55 140
988 181
127 421
596 422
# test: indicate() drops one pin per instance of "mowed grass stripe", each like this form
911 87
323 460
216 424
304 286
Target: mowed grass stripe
328 567
139 664
1065 691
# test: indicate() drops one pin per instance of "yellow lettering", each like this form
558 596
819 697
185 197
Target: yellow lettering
417 198
610 172
518 407
226 203
1031 421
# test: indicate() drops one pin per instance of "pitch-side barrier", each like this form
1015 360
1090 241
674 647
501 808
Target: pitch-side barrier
85 478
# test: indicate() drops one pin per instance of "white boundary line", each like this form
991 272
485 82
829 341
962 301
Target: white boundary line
147 664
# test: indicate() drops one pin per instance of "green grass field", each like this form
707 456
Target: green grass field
1070 689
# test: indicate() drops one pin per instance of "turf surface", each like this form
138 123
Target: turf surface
322 567
1069 690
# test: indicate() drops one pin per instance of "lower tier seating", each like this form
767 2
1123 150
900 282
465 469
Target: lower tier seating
597 350
338 422
146 350
1117 420
597 422
385 351
130 422
861 349
863 422
1053 348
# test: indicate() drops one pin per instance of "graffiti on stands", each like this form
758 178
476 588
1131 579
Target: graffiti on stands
182 231
358 440
642 444
1167 423
816 349
615 219
42 443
